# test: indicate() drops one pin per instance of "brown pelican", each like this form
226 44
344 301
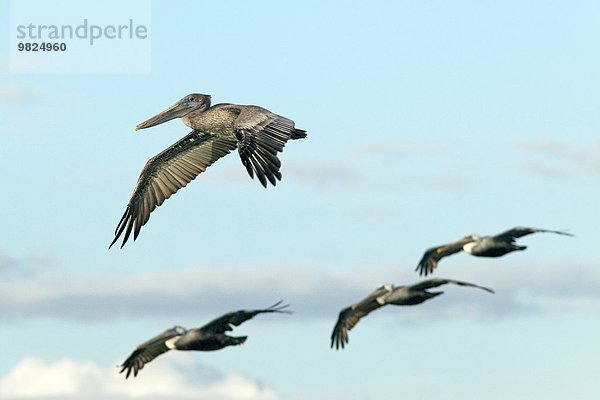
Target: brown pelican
387 294
486 246
207 338
257 133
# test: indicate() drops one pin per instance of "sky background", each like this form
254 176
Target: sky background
426 121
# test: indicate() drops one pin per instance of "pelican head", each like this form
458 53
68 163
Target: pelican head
472 236
180 330
388 287
191 102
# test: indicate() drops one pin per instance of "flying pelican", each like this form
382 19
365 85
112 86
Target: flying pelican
207 338
387 294
257 133
486 246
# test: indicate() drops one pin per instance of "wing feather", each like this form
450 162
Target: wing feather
349 316
166 173
431 283
520 231
432 255
148 351
261 135
224 323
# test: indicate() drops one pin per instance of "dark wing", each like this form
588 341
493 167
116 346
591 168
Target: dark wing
168 172
432 255
261 135
149 350
519 231
350 316
431 283
224 322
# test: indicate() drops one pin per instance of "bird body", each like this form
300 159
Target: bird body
217 119
489 246
407 296
258 134
209 337
484 246
199 340
224 119
388 294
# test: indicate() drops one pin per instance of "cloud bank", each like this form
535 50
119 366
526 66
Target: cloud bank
313 293
561 158
18 94
183 378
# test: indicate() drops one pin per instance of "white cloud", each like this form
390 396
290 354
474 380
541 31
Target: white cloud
392 149
7 262
312 293
20 63
535 289
321 173
315 173
181 378
192 289
561 158
541 169
14 268
18 94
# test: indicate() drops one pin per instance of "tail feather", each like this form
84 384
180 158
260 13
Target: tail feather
431 295
240 339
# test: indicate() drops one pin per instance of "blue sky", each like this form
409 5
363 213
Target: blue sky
426 121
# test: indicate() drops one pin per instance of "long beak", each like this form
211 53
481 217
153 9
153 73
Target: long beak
175 111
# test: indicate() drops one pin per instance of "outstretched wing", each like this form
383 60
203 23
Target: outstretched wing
350 316
519 231
149 350
431 283
261 135
432 255
168 172
224 323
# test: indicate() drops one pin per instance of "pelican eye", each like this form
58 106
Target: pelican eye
191 98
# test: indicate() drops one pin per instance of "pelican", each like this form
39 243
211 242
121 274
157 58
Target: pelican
384 295
207 338
486 246
257 133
